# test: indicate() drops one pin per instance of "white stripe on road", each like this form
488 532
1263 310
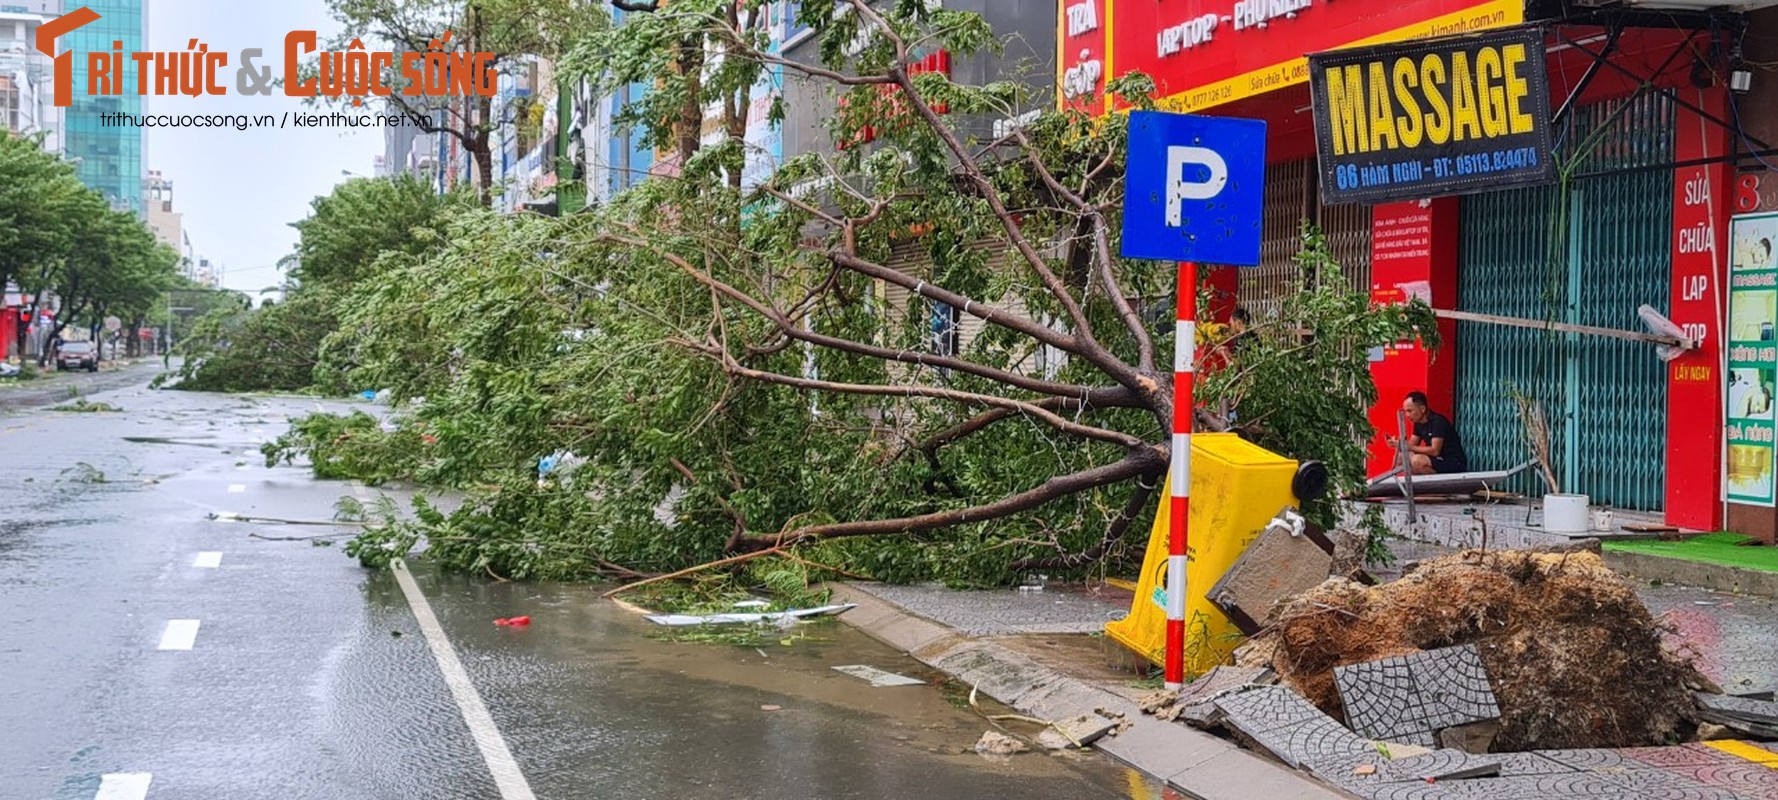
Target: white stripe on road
180 634
237 488
208 560
124 786
507 776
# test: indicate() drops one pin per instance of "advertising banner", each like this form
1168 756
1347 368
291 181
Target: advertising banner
1205 53
1455 116
1753 358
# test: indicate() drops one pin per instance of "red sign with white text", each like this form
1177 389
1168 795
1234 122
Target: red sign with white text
1203 53
1080 32
1413 257
1694 383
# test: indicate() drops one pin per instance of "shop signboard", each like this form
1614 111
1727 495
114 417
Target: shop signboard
1204 53
1752 390
1453 116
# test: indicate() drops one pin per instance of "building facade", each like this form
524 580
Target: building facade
108 158
1647 134
27 103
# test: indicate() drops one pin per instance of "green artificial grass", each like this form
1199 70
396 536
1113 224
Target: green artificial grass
1724 549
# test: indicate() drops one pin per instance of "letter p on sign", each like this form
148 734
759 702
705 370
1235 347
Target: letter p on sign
1183 186
1193 188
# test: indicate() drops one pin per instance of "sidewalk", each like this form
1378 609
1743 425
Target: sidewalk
1036 652
998 658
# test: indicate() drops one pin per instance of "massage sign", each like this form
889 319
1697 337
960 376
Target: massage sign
1439 117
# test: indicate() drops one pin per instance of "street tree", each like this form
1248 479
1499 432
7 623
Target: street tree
40 201
512 30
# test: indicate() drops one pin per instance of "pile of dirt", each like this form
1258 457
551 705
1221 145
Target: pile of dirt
1574 657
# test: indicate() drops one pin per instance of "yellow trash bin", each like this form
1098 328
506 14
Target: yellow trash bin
1237 487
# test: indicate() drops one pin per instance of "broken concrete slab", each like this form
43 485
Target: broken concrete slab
995 743
1409 698
1474 737
1288 558
1077 731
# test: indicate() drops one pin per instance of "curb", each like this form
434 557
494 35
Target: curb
1198 764
22 398
1717 577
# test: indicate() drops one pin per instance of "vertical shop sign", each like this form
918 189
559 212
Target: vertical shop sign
1752 391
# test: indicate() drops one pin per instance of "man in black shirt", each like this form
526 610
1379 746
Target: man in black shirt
1435 447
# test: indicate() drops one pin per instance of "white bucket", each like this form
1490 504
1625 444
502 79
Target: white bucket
1566 513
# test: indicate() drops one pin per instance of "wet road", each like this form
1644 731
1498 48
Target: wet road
147 650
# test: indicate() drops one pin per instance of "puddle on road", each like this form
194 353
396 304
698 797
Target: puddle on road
591 702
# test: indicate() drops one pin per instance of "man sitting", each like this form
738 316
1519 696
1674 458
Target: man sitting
1434 448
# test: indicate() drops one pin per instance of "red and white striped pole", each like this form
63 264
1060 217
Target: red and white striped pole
1185 348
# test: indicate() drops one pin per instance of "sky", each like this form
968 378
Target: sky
240 190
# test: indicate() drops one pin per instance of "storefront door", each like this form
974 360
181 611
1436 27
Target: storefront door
1589 252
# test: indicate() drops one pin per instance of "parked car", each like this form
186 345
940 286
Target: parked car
78 355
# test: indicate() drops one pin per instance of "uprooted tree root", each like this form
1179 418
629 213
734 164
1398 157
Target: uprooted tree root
1574 657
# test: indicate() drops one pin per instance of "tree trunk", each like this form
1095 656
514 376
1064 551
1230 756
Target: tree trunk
483 153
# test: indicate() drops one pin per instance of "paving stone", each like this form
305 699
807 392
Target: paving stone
1311 741
1446 765
1587 760
1688 755
1513 765
1267 708
1747 779
1664 785
1409 698
1530 787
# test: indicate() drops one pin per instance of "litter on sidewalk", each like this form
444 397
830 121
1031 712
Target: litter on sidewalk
878 678
681 620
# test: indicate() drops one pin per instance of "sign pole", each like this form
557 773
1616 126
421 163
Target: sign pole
1185 347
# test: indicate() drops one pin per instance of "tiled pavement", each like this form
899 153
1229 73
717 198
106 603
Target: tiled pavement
1684 772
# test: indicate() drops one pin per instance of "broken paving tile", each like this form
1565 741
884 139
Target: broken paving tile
1739 709
1474 737
1267 708
1408 698
878 678
1311 741
1197 699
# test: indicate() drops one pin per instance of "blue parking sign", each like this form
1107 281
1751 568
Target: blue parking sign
1193 188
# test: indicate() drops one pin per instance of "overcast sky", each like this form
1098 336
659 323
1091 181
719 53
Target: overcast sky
240 190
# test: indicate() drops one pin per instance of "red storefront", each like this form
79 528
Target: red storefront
1642 217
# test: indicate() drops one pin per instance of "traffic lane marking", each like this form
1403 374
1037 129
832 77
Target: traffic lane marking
124 786
180 634
208 560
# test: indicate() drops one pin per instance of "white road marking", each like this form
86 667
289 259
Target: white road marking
208 560
180 634
124 786
507 777
237 488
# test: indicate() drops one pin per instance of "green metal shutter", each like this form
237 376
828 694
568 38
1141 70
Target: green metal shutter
1611 242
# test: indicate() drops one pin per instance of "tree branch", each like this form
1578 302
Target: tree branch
1139 462
937 393
1114 532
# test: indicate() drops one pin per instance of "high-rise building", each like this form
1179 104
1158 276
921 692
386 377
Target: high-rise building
108 158
167 225
27 95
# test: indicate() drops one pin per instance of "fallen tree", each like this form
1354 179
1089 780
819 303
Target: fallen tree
917 358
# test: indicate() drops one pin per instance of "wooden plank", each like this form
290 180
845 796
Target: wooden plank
1565 327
